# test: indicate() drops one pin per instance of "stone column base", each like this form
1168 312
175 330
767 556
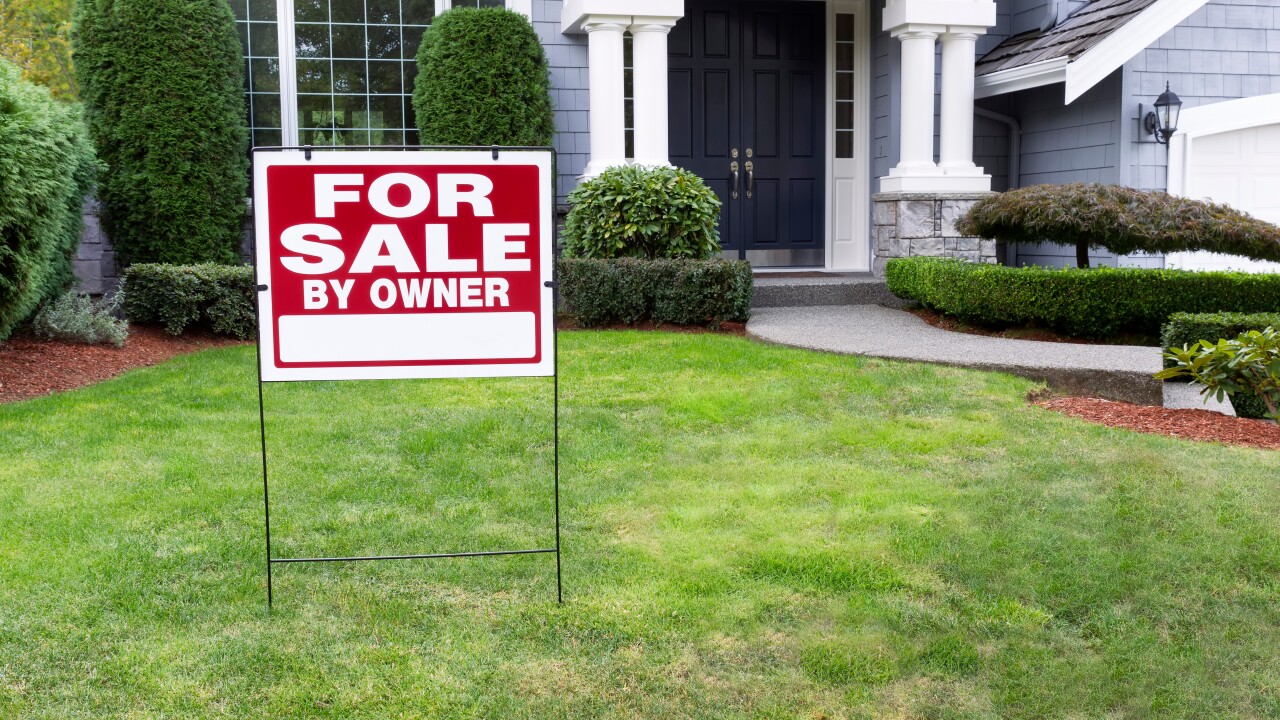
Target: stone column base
924 225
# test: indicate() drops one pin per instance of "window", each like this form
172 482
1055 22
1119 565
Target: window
256 22
629 94
844 85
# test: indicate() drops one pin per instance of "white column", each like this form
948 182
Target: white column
608 106
916 107
956 157
649 73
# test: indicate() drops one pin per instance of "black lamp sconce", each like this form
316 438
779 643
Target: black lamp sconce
1163 120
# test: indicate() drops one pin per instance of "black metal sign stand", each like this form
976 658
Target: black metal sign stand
262 418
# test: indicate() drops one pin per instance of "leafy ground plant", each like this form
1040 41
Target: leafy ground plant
1246 365
749 531
76 317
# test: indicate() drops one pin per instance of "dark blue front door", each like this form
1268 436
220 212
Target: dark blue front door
748 99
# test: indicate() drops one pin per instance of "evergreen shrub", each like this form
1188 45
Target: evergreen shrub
218 297
46 167
1119 219
163 87
483 79
630 290
645 212
1187 329
1097 303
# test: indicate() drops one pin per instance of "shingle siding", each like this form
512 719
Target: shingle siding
567 55
1226 50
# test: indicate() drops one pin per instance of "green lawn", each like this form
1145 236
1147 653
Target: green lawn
750 531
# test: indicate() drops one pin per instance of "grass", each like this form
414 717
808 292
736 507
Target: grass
750 532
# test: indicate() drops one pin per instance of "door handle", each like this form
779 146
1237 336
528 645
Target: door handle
751 178
733 168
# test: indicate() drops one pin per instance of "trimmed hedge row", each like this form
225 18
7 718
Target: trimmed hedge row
1189 328
630 290
218 297
1095 303
46 167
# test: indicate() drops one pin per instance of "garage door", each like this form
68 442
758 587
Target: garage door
1242 169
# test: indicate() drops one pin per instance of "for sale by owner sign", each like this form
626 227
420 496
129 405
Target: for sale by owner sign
404 264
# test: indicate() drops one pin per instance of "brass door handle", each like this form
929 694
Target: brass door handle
733 168
751 178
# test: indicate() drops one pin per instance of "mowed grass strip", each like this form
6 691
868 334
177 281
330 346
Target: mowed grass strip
750 532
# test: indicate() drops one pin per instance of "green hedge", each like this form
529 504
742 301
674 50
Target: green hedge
163 87
1096 303
1184 329
218 297
646 212
46 167
680 292
483 79
1120 219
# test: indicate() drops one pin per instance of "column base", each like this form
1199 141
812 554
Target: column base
936 183
916 224
594 168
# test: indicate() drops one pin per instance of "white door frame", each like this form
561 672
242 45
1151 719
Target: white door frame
848 226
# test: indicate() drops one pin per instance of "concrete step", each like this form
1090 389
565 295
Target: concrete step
819 289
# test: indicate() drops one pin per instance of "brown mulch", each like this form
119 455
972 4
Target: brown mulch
30 366
1203 425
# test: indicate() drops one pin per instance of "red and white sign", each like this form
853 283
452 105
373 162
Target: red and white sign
393 264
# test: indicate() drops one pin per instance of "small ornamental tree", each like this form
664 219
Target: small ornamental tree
1119 219
46 167
163 83
483 80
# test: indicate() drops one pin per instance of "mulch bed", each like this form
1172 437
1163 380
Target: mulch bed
1203 425
30 366
726 328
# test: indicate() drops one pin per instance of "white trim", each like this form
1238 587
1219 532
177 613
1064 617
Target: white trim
288 52
1090 68
857 251
1212 119
1045 72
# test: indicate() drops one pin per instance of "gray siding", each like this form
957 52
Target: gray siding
1026 15
567 55
1227 49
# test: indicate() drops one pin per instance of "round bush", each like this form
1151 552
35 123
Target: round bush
46 167
645 212
163 86
1119 219
483 80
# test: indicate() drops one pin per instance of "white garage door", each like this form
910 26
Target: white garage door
1242 169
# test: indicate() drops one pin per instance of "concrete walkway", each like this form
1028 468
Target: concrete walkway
1115 372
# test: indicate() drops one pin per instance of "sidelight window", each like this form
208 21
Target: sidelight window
844 126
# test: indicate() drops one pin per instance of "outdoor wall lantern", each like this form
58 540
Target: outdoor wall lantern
1163 121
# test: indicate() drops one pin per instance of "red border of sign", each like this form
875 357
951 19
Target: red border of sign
272 372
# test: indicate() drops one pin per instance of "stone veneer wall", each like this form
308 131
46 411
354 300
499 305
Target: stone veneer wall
95 262
924 224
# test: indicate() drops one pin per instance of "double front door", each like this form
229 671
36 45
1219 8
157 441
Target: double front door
747 101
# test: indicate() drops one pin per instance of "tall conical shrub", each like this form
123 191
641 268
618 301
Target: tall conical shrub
483 80
162 83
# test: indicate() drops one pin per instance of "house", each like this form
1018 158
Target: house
838 133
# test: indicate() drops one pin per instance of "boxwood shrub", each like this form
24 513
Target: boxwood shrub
46 167
1120 219
647 212
680 292
1096 303
1184 329
163 87
217 297
483 79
